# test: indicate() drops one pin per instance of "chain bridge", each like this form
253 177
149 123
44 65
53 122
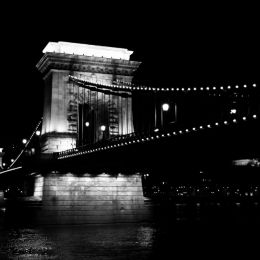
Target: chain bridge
101 133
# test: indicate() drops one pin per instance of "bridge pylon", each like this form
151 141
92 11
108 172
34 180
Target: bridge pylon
69 107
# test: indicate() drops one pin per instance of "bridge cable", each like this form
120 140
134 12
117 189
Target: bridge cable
129 87
28 142
100 88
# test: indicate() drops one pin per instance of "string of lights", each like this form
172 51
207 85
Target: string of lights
135 139
127 86
35 132
132 86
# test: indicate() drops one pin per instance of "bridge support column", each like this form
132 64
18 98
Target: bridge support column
86 199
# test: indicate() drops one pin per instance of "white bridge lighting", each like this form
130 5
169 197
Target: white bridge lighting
87 50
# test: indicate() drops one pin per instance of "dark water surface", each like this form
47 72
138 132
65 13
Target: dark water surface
197 232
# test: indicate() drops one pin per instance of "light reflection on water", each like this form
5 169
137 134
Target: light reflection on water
78 242
181 231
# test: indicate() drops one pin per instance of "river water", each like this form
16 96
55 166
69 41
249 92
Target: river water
199 232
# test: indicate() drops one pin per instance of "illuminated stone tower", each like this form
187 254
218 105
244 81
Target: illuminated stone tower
96 197
62 99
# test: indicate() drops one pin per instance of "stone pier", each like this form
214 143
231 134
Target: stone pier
90 199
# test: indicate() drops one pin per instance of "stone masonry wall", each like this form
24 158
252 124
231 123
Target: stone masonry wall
85 199
38 186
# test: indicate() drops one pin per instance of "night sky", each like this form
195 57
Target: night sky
176 46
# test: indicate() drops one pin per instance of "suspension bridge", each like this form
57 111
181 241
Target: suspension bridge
100 133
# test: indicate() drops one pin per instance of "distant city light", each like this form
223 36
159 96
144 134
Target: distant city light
156 130
254 116
244 118
165 107
24 141
233 111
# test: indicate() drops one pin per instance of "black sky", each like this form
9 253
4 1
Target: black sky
177 45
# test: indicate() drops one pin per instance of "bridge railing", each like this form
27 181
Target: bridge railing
103 143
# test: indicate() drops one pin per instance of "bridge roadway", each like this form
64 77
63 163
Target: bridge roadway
105 185
176 156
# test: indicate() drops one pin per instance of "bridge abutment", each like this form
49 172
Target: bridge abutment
90 199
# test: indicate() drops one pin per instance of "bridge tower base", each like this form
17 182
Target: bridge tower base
88 199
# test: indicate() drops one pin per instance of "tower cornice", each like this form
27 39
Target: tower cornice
86 64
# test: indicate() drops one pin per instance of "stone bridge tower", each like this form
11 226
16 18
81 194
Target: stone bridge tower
61 127
96 197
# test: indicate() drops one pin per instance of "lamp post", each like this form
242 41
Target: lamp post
103 129
165 107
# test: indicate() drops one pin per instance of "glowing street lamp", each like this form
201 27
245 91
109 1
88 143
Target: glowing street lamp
165 107
87 124
24 141
38 132
103 129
